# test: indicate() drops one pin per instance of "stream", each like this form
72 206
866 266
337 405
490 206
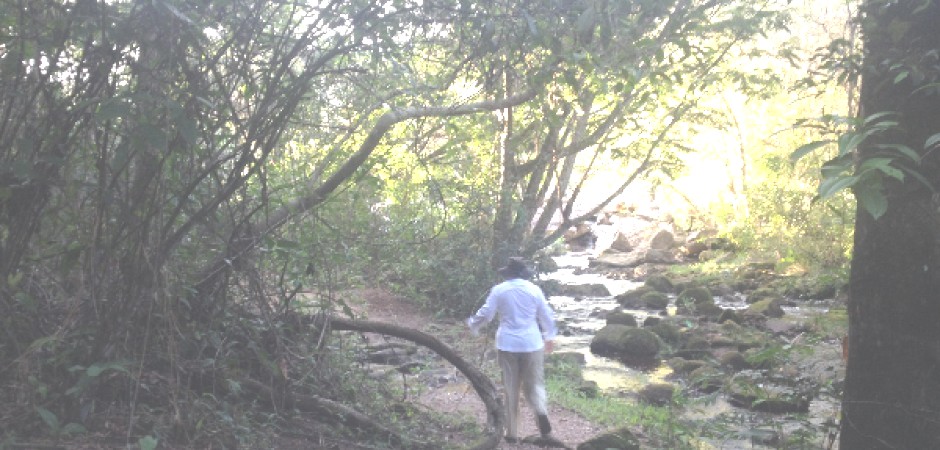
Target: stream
579 319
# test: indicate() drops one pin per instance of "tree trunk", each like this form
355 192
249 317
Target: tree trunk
892 385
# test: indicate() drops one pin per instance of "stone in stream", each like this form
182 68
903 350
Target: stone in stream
628 343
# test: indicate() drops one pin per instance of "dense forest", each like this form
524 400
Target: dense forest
191 190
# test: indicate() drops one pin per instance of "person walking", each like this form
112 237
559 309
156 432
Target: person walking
525 333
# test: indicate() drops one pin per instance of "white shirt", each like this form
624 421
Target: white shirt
526 320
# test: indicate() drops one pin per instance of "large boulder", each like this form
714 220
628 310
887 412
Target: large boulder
628 343
655 300
620 439
662 240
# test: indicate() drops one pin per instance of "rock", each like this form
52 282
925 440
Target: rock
685 366
734 360
621 243
544 441
617 259
696 295
621 341
752 390
663 240
633 299
621 318
655 300
766 308
656 394
668 332
620 439
706 379
729 315
589 389
582 290
659 283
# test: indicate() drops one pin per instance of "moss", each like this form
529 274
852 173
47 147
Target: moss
621 318
660 283
655 300
697 295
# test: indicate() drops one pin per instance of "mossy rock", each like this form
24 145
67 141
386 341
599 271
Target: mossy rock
650 321
589 389
734 360
729 316
684 366
621 318
655 300
666 331
766 308
633 299
620 439
660 283
608 340
656 394
626 342
697 295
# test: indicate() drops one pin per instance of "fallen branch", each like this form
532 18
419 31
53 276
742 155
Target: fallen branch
481 383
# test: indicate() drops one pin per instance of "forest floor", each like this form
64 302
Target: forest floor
458 397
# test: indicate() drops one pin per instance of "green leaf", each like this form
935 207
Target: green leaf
902 150
932 141
831 186
806 149
49 418
148 442
871 199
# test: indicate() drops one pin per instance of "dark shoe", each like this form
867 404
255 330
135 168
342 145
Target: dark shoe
545 427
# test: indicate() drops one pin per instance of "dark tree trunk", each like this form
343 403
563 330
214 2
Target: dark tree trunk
892 385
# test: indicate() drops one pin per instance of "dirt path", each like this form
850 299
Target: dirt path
453 395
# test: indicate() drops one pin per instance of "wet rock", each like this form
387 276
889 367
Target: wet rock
620 439
666 331
696 295
659 283
655 300
625 342
633 299
621 318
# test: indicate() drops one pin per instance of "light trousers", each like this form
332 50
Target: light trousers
525 372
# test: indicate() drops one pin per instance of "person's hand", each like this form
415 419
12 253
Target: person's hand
549 346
